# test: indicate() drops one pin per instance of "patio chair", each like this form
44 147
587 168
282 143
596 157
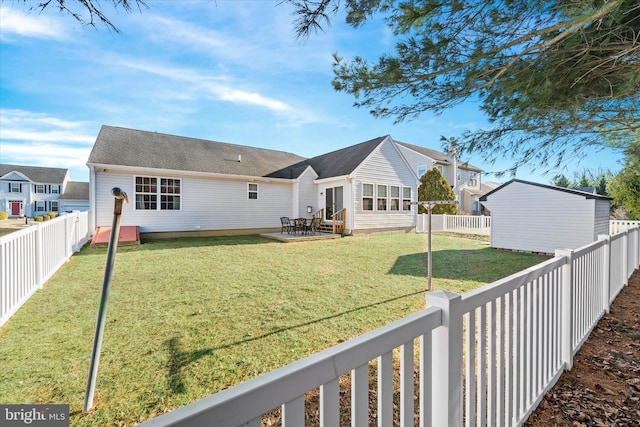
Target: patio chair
286 224
314 225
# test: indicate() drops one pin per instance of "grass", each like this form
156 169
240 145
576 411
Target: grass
190 317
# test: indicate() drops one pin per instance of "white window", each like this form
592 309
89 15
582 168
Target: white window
148 193
367 197
395 198
382 198
54 206
441 169
422 169
15 187
253 191
39 188
55 189
40 205
473 178
169 194
406 198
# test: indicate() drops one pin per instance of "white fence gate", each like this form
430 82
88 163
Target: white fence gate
29 257
484 358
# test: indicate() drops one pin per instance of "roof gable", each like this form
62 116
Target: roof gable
128 147
336 163
549 187
35 174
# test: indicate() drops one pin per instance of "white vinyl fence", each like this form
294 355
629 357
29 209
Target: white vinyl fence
29 257
485 358
467 224
616 225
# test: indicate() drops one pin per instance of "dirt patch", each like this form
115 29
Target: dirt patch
603 388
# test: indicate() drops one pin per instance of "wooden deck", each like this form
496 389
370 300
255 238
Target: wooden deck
298 237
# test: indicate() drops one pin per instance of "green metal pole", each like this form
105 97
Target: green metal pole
120 197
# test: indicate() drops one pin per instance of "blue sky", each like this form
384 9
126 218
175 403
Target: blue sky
225 70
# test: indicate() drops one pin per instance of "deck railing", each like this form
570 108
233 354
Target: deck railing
484 358
29 257
339 221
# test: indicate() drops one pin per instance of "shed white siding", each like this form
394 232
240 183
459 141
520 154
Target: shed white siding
601 224
534 218
206 204
385 166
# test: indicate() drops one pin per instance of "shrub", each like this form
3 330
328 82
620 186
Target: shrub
52 214
46 217
3 216
38 218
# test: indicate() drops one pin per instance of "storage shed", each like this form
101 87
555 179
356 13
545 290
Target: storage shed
528 216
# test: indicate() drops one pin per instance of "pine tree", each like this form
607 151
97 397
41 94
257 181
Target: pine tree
433 186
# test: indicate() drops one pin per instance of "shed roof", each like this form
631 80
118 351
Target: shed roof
550 187
129 147
76 190
36 174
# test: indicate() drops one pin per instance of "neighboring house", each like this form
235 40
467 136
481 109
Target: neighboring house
465 179
179 184
534 217
75 197
30 190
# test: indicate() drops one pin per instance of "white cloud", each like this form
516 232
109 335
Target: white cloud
29 25
36 139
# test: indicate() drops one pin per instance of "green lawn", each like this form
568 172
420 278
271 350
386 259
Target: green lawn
189 317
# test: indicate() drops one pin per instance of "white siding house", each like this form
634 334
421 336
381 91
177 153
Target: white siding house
177 185
527 216
465 179
32 190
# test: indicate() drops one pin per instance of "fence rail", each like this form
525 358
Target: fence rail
484 358
29 257
616 226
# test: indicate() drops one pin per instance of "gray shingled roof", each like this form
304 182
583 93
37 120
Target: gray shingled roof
435 155
129 147
439 157
76 190
36 174
336 163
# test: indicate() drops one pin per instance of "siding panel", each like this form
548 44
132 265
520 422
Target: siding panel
384 166
206 204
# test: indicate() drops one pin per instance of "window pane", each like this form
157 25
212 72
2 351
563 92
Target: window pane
367 190
395 204
406 192
367 204
382 204
395 191
382 191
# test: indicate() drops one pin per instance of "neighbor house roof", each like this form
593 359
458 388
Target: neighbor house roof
438 156
550 187
129 147
336 163
76 190
36 173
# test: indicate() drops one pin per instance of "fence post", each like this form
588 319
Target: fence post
606 271
444 222
446 361
566 316
39 255
625 257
